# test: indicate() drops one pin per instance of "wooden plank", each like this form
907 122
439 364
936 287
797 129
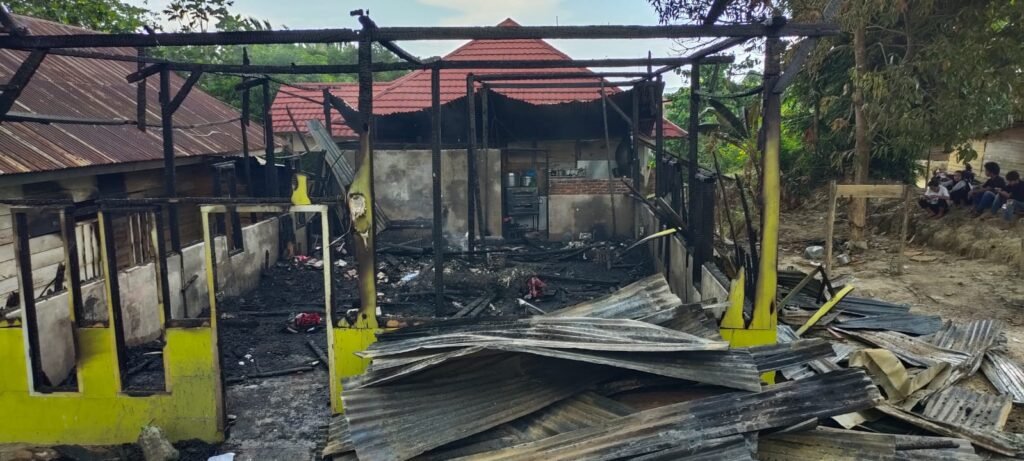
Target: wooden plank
870 190
900 256
830 226
40 260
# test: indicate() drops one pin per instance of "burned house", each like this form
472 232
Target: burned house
74 139
551 151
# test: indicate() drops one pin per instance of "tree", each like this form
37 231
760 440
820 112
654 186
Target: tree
100 15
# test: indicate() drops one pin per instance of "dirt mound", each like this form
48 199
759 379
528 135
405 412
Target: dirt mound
958 233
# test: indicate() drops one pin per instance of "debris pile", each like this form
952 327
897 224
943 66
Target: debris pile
637 374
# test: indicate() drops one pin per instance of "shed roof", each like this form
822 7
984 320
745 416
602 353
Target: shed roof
95 89
411 92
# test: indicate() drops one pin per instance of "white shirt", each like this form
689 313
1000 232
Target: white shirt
935 196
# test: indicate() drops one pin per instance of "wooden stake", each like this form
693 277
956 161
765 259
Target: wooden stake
830 223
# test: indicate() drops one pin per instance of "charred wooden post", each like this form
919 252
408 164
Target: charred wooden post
140 95
638 160
470 160
268 142
23 257
610 155
659 139
170 175
435 165
361 197
693 140
67 221
245 128
484 142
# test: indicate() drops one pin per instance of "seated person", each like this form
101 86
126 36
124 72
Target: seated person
935 199
1012 196
969 173
982 197
961 187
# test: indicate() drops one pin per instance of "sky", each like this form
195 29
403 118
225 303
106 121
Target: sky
317 14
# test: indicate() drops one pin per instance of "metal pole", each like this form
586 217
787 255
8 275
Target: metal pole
470 160
170 179
435 164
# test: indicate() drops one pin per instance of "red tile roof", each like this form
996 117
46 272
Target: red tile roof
305 100
87 88
411 92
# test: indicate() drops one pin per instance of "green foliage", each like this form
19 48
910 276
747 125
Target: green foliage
940 73
100 15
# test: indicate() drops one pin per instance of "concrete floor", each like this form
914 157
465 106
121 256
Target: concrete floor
279 418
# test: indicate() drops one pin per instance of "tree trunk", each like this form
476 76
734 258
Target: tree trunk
862 148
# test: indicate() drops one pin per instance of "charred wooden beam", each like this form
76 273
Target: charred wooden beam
693 140
555 76
11 25
594 84
246 101
404 66
618 110
715 11
140 96
183 92
411 33
20 79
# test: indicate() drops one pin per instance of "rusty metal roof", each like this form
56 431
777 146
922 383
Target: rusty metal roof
95 89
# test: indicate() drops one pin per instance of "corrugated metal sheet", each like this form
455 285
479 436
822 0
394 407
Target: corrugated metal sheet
790 354
339 439
344 174
690 318
853 305
690 423
397 422
839 445
542 331
913 324
1004 443
731 448
1005 374
963 407
914 351
88 88
640 299
973 338
581 411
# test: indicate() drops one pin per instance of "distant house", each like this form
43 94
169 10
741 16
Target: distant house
1005 147
555 135
85 162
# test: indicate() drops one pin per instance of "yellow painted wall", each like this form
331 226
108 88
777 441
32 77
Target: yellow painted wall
99 414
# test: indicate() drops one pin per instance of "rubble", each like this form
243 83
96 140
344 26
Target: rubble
638 374
155 446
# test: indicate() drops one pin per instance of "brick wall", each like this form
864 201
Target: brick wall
584 186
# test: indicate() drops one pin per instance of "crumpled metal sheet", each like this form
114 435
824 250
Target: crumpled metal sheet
865 307
960 406
581 411
846 445
689 318
731 448
973 338
789 354
913 324
541 331
914 351
687 424
399 421
639 299
1005 374
1004 443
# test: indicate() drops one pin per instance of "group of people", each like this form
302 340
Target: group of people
997 196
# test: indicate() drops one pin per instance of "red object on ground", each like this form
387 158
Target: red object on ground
307 319
536 287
